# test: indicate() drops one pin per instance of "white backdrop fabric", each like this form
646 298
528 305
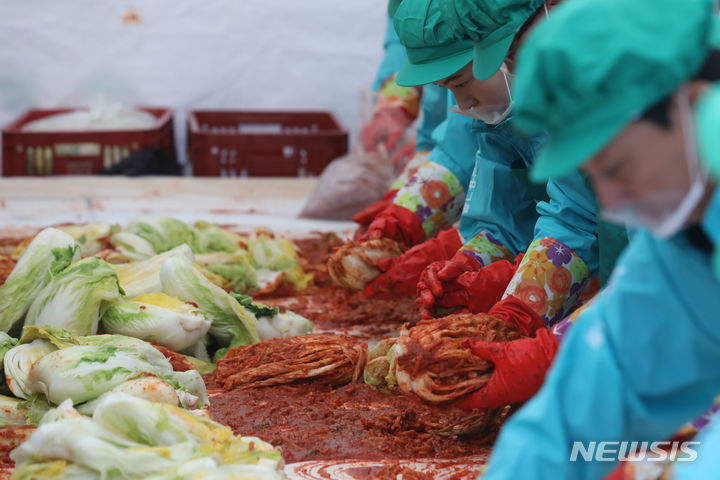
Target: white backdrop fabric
190 54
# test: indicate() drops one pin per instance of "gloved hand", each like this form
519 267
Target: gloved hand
397 223
520 368
366 217
517 314
401 274
463 282
386 127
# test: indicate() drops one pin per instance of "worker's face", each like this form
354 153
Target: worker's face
470 92
647 167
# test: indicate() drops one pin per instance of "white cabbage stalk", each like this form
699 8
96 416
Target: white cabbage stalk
136 439
158 425
232 324
64 339
10 412
85 372
50 252
90 236
76 298
211 238
191 389
85 443
234 268
159 317
278 254
18 363
189 386
131 247
6 343
152 389
283 325
54 471
268 280
163 233
144 277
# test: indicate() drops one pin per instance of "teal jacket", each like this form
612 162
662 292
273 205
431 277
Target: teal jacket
642 360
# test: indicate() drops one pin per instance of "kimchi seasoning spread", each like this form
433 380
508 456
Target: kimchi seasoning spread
6 266
317 422
335 307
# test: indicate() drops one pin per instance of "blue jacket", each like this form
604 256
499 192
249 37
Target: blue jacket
641 360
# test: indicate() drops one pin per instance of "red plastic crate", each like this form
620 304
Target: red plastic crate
263 144
78 153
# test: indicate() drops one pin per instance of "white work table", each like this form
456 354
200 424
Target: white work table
27 202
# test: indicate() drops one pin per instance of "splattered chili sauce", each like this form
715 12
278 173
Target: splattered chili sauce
312 421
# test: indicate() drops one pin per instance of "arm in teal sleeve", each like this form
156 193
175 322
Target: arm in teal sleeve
618 375
498 200
455 147
571 217
434 106
394 58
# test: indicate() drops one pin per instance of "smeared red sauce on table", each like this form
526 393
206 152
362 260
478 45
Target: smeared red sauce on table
311 422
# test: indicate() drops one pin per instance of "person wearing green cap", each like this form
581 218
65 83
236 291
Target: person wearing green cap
707 121
707 125
442 39
395 109
432 189
614 87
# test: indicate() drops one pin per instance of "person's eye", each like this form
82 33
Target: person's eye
614 170
461 85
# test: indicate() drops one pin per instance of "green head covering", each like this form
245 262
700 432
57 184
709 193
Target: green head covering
392 7
491 25
434 50
707 126
707 129
595 65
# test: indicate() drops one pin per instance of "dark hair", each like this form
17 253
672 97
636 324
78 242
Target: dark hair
659 113
515 45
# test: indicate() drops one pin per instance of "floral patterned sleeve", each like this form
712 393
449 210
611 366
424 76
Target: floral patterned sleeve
434 194
550 279
410 169
486 249
391 95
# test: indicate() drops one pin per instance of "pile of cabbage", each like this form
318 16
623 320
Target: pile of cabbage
87 317
259 262
131 438
167 294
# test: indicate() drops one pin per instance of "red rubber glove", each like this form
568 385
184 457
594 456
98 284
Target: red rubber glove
403 273
463 282
397 223
520 368
386 127
366 217
517 314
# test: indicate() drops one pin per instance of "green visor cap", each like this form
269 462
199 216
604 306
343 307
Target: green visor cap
435 51
432 64
491 26
595 65
707 127
392 7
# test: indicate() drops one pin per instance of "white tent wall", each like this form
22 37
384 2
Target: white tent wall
185 54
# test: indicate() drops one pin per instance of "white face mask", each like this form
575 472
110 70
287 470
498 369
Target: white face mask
666 213
490 114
